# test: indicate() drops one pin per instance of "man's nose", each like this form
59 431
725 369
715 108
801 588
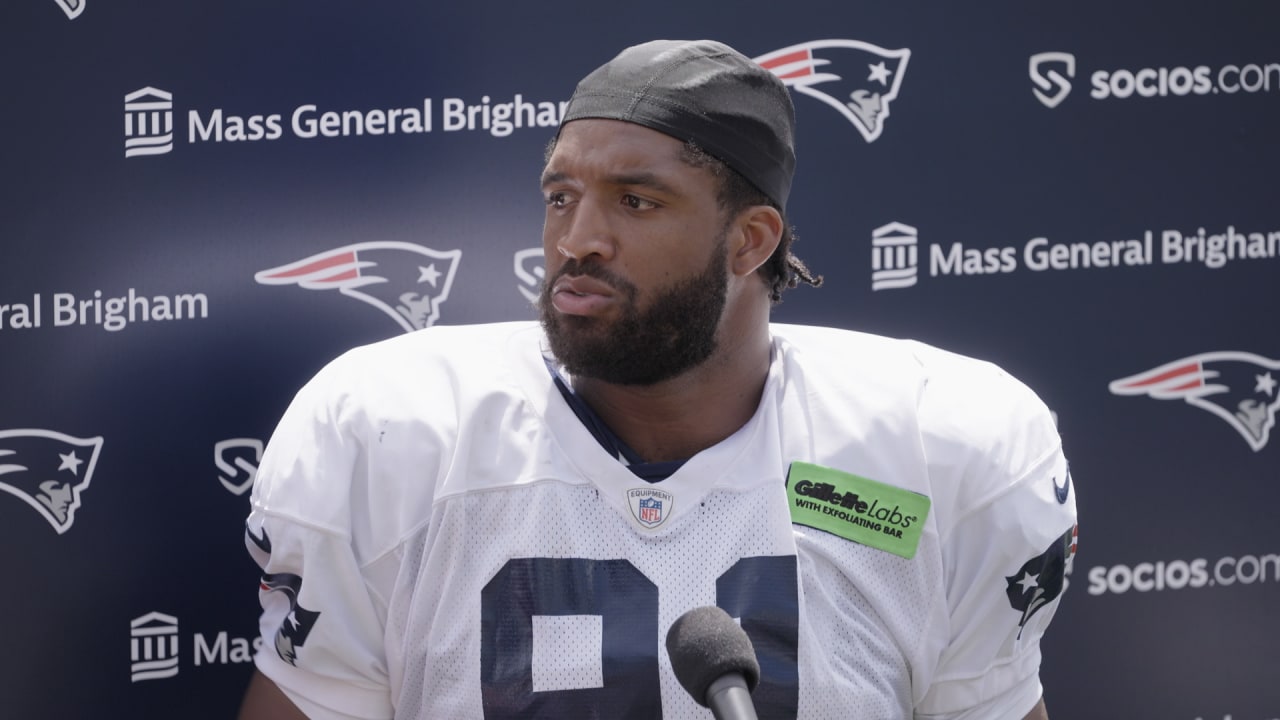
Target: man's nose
587 232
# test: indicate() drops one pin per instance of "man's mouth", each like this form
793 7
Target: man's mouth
581 295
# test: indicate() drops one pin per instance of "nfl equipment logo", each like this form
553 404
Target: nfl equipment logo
649 506
650 511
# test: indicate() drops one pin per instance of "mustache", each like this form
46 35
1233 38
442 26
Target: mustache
592 270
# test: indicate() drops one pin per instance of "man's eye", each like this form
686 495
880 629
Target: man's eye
637 203
556 199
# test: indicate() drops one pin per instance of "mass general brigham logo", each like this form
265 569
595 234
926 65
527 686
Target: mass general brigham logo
895 256
153 647
148 122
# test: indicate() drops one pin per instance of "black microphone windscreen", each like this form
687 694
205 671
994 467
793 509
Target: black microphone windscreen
705 644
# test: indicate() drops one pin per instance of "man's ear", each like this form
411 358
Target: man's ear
757 232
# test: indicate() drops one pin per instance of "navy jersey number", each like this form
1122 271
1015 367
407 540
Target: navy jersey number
759 590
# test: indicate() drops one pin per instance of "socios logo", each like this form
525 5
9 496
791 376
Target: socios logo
1238 387
1051 74
857 79
237 460
531 270
1165 575
72 8
48 470
407 282
1047 72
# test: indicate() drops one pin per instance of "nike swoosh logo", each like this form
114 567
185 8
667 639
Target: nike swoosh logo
264 542
1063 490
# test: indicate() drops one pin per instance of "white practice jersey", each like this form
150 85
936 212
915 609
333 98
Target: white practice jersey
441 537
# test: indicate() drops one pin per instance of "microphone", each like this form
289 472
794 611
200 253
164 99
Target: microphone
713 659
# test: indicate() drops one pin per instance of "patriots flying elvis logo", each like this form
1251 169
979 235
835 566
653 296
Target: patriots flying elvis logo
1041 579
859 80
1239 387
48 470
407 282
299 621
297 624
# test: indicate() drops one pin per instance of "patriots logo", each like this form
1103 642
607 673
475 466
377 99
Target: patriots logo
407 282
297 624
858 79
1238 387
1042 578
48 470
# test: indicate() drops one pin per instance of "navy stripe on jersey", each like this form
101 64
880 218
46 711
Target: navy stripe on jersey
648 471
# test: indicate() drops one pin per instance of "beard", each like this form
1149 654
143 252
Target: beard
674 334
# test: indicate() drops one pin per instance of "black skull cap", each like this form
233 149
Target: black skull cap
702 91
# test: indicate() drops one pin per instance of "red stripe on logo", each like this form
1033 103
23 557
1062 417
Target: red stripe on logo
323 263
795 57
344 275
1183 370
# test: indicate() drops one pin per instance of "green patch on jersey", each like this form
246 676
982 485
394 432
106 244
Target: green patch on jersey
857 508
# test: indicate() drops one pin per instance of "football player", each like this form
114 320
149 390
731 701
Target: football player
503 521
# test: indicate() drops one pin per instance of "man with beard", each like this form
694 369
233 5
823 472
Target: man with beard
503 521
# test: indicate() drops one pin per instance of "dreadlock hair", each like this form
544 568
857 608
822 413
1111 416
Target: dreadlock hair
783 270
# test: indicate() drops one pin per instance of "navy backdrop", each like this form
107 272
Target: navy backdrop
1085 194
